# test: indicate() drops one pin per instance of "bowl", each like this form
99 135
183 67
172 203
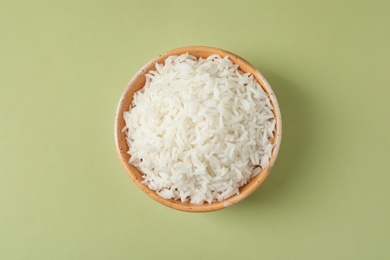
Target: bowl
138 81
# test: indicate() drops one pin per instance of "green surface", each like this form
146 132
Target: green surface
65 195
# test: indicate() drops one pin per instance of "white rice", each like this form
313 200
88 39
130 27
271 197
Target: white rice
199 129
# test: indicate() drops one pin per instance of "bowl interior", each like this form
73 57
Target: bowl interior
138 81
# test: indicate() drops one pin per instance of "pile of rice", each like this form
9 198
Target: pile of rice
199 129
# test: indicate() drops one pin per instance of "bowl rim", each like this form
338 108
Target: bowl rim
122 147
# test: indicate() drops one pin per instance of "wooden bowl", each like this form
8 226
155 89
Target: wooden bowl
138 81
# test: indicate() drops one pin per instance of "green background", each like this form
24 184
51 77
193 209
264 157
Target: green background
65 195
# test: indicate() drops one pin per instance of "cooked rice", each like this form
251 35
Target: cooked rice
199 129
